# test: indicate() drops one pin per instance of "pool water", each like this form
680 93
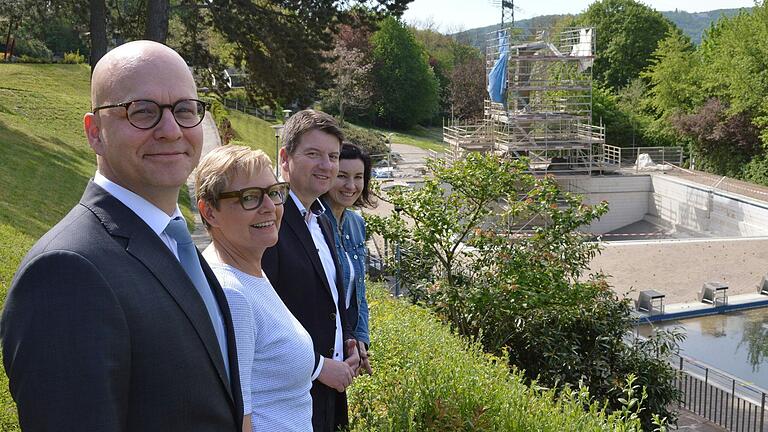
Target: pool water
736 343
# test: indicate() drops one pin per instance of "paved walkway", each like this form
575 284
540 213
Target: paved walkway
690 422
211 140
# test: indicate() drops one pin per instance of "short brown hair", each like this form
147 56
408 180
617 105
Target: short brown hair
306 121
219 168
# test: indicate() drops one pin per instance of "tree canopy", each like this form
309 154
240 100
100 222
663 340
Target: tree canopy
627 33
406 87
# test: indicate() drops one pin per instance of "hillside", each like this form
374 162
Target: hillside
692 24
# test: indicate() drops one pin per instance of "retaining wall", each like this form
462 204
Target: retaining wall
672 202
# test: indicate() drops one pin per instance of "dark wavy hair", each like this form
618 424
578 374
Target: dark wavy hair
353 151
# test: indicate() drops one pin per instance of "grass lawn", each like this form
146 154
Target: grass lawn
253 132
425 138
45 164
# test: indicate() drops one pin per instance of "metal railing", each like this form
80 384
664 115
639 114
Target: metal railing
720 397
249 109
626 156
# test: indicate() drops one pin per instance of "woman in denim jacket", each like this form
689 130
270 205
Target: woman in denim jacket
351 189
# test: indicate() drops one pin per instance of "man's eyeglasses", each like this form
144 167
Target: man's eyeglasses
146 114
252 197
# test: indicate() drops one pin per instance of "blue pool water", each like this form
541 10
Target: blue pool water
736 343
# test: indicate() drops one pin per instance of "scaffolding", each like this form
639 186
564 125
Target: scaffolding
540 102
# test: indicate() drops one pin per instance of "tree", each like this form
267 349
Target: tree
467 88
675 85
157 20
627 34
723 141
406 87
98 28
351 88
497 253
281 45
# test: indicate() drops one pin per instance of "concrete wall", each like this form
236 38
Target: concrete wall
717 213
680 204
672 202
627 198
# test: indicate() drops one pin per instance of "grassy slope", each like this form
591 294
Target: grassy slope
253 132
45 164
424 138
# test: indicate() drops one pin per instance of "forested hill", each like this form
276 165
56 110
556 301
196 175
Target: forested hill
692 24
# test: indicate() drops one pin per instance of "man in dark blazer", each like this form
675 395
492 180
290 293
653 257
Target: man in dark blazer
103 329
303 268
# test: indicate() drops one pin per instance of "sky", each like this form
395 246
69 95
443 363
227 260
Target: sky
449 16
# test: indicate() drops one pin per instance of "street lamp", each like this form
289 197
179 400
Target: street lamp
278 130
398 257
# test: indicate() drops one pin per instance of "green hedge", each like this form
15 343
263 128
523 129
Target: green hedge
429 379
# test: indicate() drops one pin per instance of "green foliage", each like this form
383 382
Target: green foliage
620 128
373 142
73 58
428 379
32 51
694 24
756 170
673 76
406 88
627 34
280 70
496 252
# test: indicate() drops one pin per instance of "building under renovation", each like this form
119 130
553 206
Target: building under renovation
539 102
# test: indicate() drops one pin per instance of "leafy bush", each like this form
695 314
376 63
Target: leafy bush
428 379
73 58
32 51
756 171
496 253
373 142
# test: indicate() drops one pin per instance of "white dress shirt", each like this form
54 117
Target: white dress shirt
326 258
148 212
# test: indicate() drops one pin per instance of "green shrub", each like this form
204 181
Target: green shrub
73 58
756 171
373 142
425 378
29 59
32 51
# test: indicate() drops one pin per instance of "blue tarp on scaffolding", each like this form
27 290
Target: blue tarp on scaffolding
497 78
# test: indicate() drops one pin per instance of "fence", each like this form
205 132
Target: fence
720 398
249 109
623 156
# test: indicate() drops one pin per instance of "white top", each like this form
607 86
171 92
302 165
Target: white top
151 215
326 258
275 353
351 286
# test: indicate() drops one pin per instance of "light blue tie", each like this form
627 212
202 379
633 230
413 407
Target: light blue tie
177 230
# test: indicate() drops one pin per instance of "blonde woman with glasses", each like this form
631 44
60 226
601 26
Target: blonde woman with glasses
241 204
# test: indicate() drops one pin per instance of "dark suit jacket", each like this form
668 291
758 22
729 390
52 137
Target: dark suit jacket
294 268
102 330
